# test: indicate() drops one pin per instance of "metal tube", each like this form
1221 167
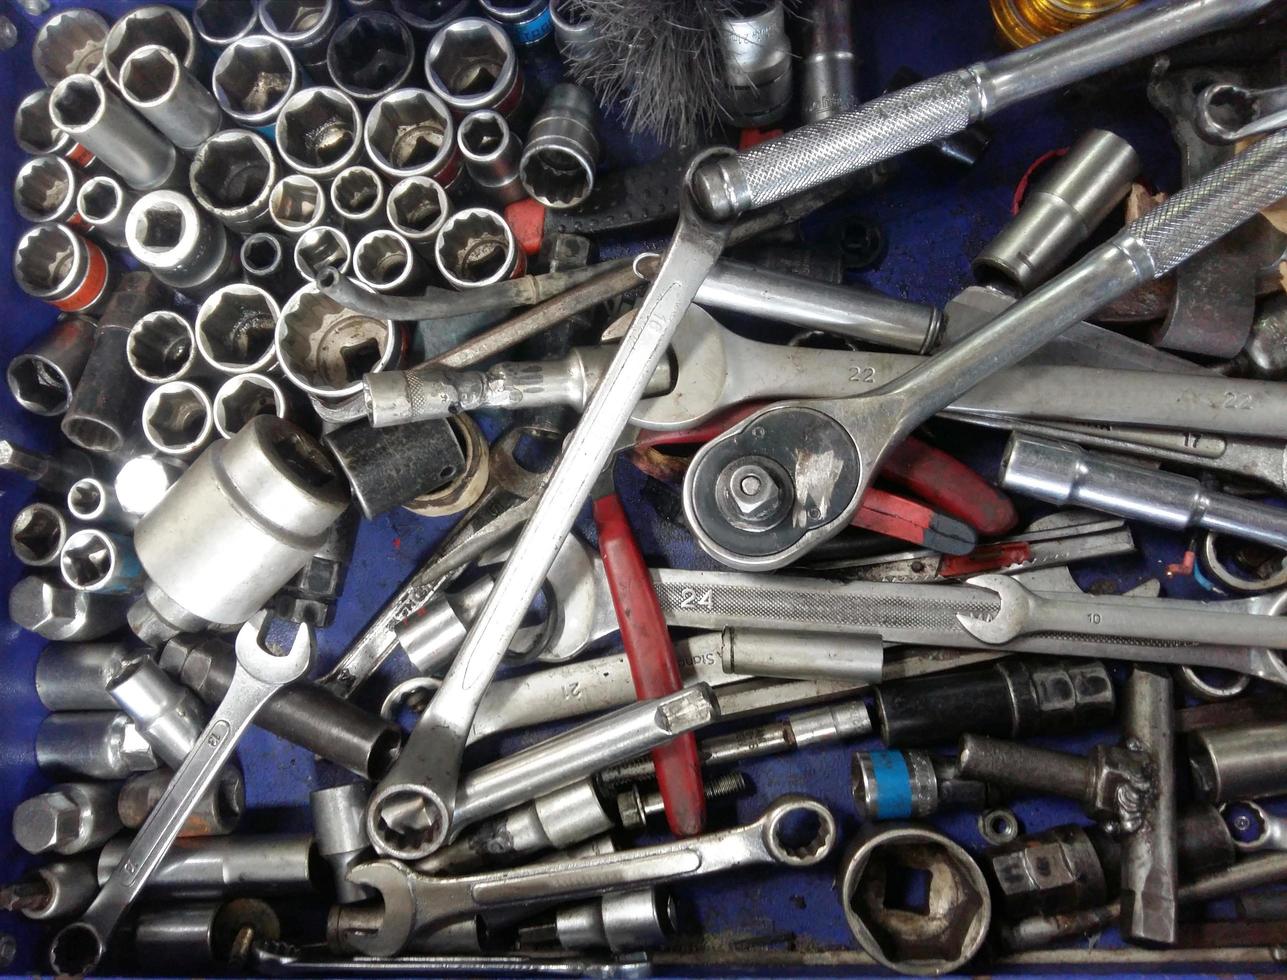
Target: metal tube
94 560
264 865
74 676
94 501
357 198
38 533
170 97
144 480
253 79
322 247
35 132
370 54
341 835
297 203
179 243
326 350
562 151
492 155
105 204
385 261
233 175
411 133
221 22
70 42
234 329
242 397
218 812
304 26
319 132
43 377
476 247
97 744
199 939
149 24
68 818
828 85
45 189
169 717
178 419
766 653
162 347
1241 762
470 64
53 263
52 610
416 209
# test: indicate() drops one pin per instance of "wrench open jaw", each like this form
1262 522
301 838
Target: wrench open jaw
1008 622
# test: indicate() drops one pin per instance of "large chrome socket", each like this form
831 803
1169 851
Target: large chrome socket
254 77
326 349
68 818
477 248
169 716
74 676
411 133
144 480
528 22
180 243
370 54
217 812
69 43
178 419
92 113
35 131
221 22
167 95
244 396
385 262
492 154
233 175
105 203
49 608
96 744
319 132
757 57
150 24
427 19
92 500
470 64
162 347
38 533
53 263
234 329
94 560
45 189
296 204
304 26
562 150
357 199
320 248
417 209
43 377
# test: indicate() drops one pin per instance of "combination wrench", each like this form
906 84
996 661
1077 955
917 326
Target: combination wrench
416 903
79 947
822 455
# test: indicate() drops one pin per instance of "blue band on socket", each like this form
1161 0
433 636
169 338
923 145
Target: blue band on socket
893 785
534 30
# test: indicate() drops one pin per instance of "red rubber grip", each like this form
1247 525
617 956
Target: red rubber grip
950 485
652 662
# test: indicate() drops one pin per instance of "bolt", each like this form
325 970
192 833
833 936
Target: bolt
751 495
46 822
635 807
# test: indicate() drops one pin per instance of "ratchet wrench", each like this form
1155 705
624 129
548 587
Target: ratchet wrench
78 947
822 455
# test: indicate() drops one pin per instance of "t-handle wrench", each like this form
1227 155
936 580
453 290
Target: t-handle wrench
824 454
78 947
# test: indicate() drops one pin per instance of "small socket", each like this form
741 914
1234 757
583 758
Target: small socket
151 24
242 397
234 329
477 248
326 349
53 263
262 255
38 534
357 197
93 560
409 133
69 43
384 261
320 247
45 190
43 377
35 132
92 500
417 209
162 347
297 203
319 132
105 204
177 418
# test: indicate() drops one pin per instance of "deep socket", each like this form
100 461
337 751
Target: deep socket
92 113
53 473
297 203
417 209
562 151
201 938
241 864
70 42
144 480
491 153
67 818
94 560
35 132
178 419
150 24
170 97
304 26
266 261
526 21
476 247
470 64
319 132
218 812
45 189
168 715
253 78
385 262
162 347
411 133
74 676
43 377
242 397
93 501
828 85
326 349
105 203
234 329
180 243
357 199
370 54
49 608
232 177
58 890
96 744
38 533
53 263
397 465
319 248
220 22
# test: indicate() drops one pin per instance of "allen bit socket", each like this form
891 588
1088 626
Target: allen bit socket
266 261
244 396
38 533
828 83
93 501
43 377
35 131
319 132
70 42
411 133
528 22
220 22
162 347
94 560
562 151
178 419
233 175
470 64
144 480
426 19
417 209
50 609
357 200
45 189
491 153
150 24
370 54
574 36
385 261
170 97
476 247
96 744
338 822
68 818
170 717
757 60
105 203
296 204
266 865
71 273
304 26
74 676
234 329
254 77
321 247
219 811
92 113
326 349
53 473
180 243
57 890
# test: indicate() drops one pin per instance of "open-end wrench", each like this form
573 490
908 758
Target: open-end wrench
415 902
78 947
1023 612
822 455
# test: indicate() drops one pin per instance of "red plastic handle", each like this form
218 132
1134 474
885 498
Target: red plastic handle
950 485
652 662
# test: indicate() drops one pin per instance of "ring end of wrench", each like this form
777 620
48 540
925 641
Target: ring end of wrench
76 950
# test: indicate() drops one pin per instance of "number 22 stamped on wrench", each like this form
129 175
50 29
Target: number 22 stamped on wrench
78 947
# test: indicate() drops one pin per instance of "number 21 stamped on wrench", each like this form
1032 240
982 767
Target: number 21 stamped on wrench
78 947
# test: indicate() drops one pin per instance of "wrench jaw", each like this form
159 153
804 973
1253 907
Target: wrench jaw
77 949
798 831
255 658
393 883
1007 624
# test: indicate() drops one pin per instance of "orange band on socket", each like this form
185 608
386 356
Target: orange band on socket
80 156
92 288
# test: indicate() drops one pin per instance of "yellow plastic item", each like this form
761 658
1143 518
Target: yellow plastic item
1024 22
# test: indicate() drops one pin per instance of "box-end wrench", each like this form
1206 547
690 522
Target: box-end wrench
78 947
1228 113
823 455
415 902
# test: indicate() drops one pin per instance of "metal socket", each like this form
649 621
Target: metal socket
370 54
218 812
319 132
94 501
253 79
757 59
53 263
357 199
69 43
94 560
53 473
476 247
562 149
427 19
182 247
1242 762
68 888
828 85
622 922
74 676
573 34
304 26
245 396
162 347
417 209
68 818
297 203
35 131
398 465
105 203
411 133
470 64
385 262
45 189
527 21
144 480
770 653
265 259
43 377
492 154
50 609
233 175
170 97
326 349
220 22
96 744
264 865
150 24
234 329
320 248
202 938
178 419
38 533
95 116
170 717
339 823
311 596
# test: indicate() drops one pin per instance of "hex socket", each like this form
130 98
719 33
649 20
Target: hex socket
67 818
45 189
162 347
232 177
357 199
219 867
757 59
218 811
38 533
74 676
105 203
320 248
265 259
492 154
370 54
326 349
476 247
178 419
573 34
304 26
220 22
94 560
470 64
95 744
417 209
385 262
828 85
411 133
43 377
94 115
50 609
53 263
244 396
234 329
170 97
254 77
175 239
296 204
338 821
35 132
170 717
94 501
70 42
562 151
319 132
149 24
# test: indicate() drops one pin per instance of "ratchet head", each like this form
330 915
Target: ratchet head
254 657
392 880
1009 619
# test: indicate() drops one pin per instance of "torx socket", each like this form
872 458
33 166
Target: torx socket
1242 762
526 21
234 329
253 79
74 676
1062 211
370 54
326 349
417 209
411 133
144 480
169 716
218 812
46 188
43 377
180 244
389 467
266 261
470 64
70 42
562 151
304 26
93 501
244 396
757 61
162 347
296 204
92 113
50 609
233 175
96 744
220 22
38 533
321 247
338 822
35 131
68 818
71 273
319 132
828 84
385 262
105 203
357 200
178 419
264 865
303 712
58 890
149 24
170 97
53 473
94 560
476 247
492 154
201 938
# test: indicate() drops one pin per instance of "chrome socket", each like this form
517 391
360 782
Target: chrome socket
528 22
357 199
69 43
150 24
828 85
178 419
562 150
43 377
104 202
254 77
470 64
35 131
221 22
427 19
68 818
167 95
319 132
162 347
93 501
213 867
573 35
48 608
74 676
757 56
38 533
234 329
168 715
244 396
53 263
476 247
180 244
45 189
304 26
144 480
218 811
492 154
385 262
265 259
68 887
411 133
233 175
339 822
296 204
95 744
197 939
370 55
94 560
320 247
417 209
326 349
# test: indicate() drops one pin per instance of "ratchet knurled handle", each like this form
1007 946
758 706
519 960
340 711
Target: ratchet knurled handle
1212 207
